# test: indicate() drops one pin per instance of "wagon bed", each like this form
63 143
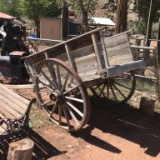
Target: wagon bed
63 74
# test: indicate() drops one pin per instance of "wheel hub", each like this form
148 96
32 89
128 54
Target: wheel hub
56 96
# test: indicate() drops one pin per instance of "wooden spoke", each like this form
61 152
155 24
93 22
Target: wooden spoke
101 92
46 103
60 114
75 109
54 109
46 77
119 91
66 115
52 73
45 85
74 99
129 88
59 77
65 82
72 115
69 90
115 97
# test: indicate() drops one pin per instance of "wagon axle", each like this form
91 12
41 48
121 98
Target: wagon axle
57 97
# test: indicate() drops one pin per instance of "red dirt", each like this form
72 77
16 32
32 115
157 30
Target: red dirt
113 132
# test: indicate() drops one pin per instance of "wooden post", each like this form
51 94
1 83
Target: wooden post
147 105
65 21
20 150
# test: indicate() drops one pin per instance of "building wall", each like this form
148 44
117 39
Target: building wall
50 28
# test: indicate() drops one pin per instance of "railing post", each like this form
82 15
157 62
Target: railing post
157 74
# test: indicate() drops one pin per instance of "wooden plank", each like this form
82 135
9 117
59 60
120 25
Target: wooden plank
118 49
114 60
116 40
14 95
85 63
12 105
104 50
83 51
125 67
58 49
89 77
7 110
70 57
97 51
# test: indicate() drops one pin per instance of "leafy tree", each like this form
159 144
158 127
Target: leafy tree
82 7
11 7
142 8
33 9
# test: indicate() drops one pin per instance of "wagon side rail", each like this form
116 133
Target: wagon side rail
85 54
120 56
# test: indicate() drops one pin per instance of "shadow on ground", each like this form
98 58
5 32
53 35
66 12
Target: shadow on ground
42 149
123 121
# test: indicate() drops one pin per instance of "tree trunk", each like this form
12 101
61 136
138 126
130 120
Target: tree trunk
85 20
121 17
21 150
65 21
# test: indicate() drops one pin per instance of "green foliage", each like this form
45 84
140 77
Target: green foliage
138 27
84 5
36 8
32 9
80 5
11 7
142 9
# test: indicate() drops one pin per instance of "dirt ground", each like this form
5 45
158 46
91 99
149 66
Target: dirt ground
113 132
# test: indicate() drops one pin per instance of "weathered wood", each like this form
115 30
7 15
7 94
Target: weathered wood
147 105
118 49
125 67
21 150
97 51
60 50
104 51
70 57
90 54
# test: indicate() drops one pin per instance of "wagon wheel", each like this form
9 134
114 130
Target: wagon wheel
119 89
62 94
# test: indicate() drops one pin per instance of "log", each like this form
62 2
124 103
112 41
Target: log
20 150
147 105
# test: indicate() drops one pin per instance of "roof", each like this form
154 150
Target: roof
101 21
5 16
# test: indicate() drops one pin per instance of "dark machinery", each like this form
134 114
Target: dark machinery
13 52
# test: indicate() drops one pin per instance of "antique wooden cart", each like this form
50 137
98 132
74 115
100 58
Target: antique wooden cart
64 74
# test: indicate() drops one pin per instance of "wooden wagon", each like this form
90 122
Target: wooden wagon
64 74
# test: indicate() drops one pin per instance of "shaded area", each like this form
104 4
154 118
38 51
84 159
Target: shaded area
42 148
123 121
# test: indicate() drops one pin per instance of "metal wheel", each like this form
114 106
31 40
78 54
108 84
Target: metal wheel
119 89
62 94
